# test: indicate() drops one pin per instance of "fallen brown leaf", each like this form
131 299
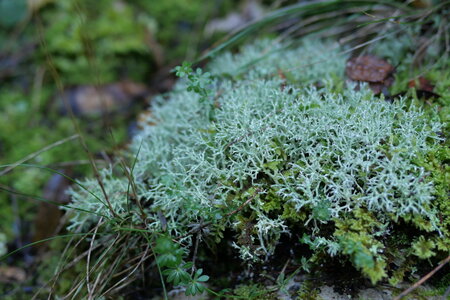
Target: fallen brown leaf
374 70
421 83
368 68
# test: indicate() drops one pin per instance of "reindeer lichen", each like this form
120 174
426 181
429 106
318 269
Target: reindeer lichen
344 167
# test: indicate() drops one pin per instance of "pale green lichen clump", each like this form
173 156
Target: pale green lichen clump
279 150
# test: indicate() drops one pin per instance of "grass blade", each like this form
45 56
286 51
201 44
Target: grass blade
59 173
296 10
51 202
34 154
3 257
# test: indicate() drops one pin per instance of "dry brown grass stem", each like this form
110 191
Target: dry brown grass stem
120 282
91 246
422 280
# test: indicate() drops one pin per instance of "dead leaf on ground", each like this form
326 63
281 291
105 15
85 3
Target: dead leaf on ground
424 88
421 83
380 87
422 3
369 68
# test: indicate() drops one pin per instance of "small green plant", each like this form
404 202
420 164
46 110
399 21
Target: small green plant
198 82
170 259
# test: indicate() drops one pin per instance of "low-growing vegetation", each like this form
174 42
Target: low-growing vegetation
293 160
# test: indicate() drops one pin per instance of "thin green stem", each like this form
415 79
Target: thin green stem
159 268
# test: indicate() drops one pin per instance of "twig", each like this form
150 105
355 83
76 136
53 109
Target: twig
285 266
258 190
132 184
423 279
37 92
194 257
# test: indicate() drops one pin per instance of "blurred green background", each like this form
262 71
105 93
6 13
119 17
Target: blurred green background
123 49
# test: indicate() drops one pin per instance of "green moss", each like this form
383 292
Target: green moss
436 162
86 49
423 248
308 291
357 238
254 292
25 129
178 23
